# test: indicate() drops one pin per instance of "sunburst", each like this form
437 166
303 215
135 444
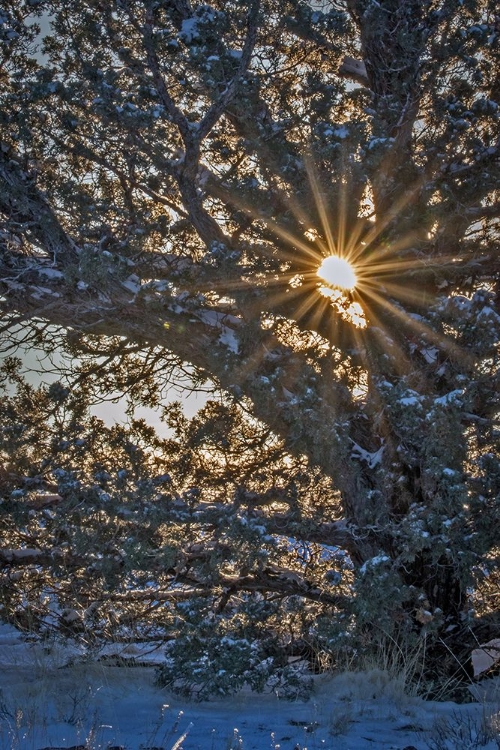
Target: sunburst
341 269
338 273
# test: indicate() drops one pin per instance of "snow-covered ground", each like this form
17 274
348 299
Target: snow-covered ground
54 697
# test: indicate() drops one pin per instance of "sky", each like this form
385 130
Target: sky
39 369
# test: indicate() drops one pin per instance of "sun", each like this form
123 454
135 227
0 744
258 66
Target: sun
338 273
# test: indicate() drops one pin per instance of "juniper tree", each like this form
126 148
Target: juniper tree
172 176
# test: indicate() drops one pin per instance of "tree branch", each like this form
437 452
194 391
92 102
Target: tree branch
175 114
219 107
23 205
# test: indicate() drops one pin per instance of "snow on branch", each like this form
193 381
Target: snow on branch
354 69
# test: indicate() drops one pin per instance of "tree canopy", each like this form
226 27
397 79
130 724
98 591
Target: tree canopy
172 176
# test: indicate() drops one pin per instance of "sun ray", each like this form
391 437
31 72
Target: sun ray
399 205
313 307
416 326
356 244
410 295
378 275
320 205
380 266
320 314
312 251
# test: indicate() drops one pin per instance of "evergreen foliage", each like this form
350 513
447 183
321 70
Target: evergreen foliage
172 174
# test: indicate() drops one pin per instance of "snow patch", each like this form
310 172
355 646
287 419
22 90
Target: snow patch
430 354
189 30
485 657
340 132
374 142
409 401
453 397
37 292
228 338
110 705
50 273
374 562
372 459
132 283
488 312
217 319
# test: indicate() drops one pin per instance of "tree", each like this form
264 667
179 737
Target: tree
172 175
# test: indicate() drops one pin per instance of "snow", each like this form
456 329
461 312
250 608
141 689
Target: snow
340 132
50 273
409 401
37 292
55 696
374 142
228 339
225 323
374 562
461 302
372 459
430 354
488 312
485 657
189 30
20 554
453 397
217 319
132 283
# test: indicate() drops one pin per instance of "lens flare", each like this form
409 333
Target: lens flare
337 272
